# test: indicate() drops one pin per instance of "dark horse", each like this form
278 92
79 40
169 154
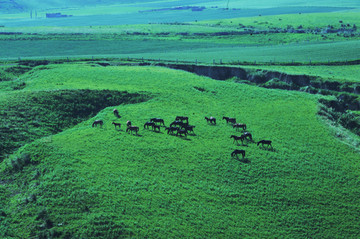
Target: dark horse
181 132
238 151
189 128
239 125
236 138
171 130
116 124
178 123
211 120
116 113
128 123
132 129
265 142
147 124
182 118
156 127
157 120
229 120
98 122
247 135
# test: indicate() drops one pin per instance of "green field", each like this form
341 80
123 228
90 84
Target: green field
103 181
265 39
347 73
60 177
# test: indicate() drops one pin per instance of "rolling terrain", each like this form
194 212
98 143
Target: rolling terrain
286 69
103 181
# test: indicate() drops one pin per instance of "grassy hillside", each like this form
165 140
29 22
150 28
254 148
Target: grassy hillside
333 73
103 182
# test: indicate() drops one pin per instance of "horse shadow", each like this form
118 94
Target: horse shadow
242 145
243 160
184 138
268 149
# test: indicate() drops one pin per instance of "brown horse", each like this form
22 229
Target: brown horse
116 124
181 132
265 142
182 118
239 125
247 135
156 127
157 120
238 151
147 124
116 113
236 138
98 122
178 123
230 120
189 128
132 129
211 120
171 130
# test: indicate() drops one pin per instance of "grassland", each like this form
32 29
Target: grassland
62 178
347 73
103 182
301 38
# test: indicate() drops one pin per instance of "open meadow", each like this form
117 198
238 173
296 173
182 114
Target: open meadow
107 182
72 167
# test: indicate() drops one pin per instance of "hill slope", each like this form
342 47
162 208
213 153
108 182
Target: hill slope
103 182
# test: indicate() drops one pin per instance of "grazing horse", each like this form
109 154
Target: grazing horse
239 125
132 128
156 127
171 130
177 123
98 122
238 151
212 120
229 120
182 118
147 124
247 135
116 113
267 142
128 123
116 124
236 138
157 120
181 132
189 128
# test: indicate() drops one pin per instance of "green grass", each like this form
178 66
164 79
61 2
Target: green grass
184 51
103 182
226 40
345 73
307 20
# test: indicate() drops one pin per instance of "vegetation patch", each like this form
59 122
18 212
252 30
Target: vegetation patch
104 181
32 115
